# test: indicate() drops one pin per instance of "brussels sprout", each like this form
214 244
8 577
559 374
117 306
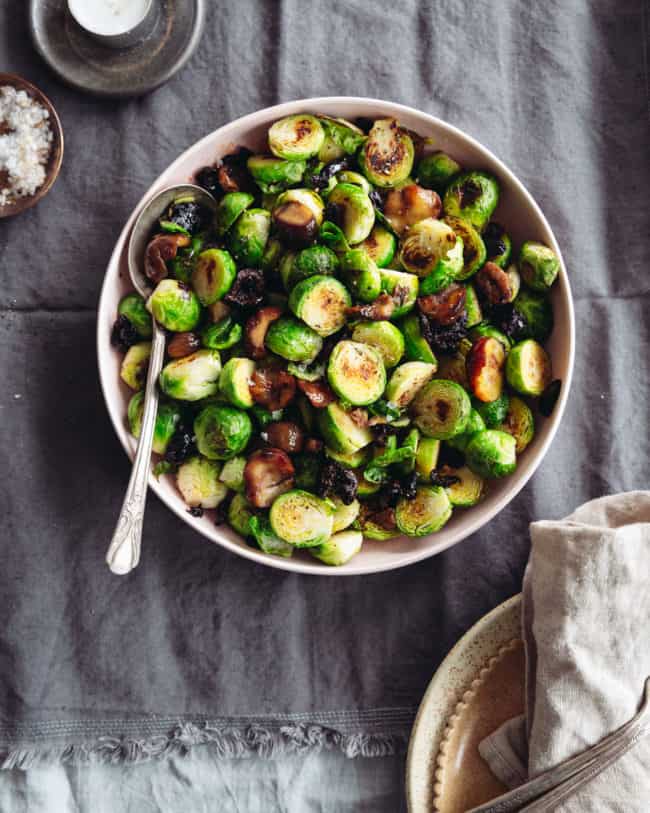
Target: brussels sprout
222 335
436 170
538 265
321 302
232 474
356 373
167 419
518 422
339 548
528 368
473 196
198 481
355 178
445 272
537 313
239 515
354 211
416 346
272 254
402 287
475 423
296 137
247 238
266 538
341 430
192 377
306 372
285 268
474 251
229 208
369 524
234 381
308 198
213 275
497 244
427 244
307 471
182 265
275 174
426 457
341 138
380 245
386 158
406 381
343 515
384 337
333 237
301 519
486 329
472 307
491 453
441 409
311 261
351 460
174 305
493 412
468 490
134 365
293 340
361 274
133 307
425 514
222 431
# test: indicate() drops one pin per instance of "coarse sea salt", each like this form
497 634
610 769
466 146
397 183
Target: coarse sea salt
25 144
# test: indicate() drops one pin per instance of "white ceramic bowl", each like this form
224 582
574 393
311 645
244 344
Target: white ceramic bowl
517 211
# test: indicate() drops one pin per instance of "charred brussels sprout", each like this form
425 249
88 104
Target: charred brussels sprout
424 515
321 302
198 481
518 422
441 409
435 171
538 265
167 419
472 196
537 313
301 519
192 377
356 373
222 431
275 174
229 208
134 365
293 340
248 237
361 274
239 515
353 211
388 154
432 246
213 275
491 453
296 137
174 305
497 244
474 251
311 261
380 245
384 337
132 306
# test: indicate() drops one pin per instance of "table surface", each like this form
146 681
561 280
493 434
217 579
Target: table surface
559 92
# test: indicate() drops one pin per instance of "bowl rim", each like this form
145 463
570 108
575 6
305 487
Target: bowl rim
416 554
56 152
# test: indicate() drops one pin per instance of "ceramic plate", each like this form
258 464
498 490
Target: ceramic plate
517 210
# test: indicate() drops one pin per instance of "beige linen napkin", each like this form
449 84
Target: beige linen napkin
586 628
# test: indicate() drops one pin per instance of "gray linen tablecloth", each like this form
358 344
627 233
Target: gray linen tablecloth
124 668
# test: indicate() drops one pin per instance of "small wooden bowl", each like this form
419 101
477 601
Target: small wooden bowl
56 149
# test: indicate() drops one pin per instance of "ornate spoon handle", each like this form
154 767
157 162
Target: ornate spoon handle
545 791
124 551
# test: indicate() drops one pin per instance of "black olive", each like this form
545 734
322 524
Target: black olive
548 398
208 179
123 334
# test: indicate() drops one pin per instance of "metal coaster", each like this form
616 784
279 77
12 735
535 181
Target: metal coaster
92 67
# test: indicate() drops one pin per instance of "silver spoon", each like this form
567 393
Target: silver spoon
124 551
546 791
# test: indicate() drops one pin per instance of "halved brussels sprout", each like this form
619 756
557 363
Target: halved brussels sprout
491 453
468 491
353 211
198 481
232 474
473 196
293 340
248 237
222 431
384 337
388 154
321 302
474 252
301 519
351 460
167 419
343 515
436 170
133 307
134 365
356 373
213 275
425 514
275 174
266 538
234 381
229 208
427 244
403 289
380 245
296 137
426 457
312 200
406 381
518 422
538 265
445 272
441 409
339 548
343 430
311 261
361 274
497 244
514 280
537 313
240 514
475 423
174 305
416 346
192 377
472 306
528 368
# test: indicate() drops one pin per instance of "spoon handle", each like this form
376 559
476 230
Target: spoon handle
124 551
